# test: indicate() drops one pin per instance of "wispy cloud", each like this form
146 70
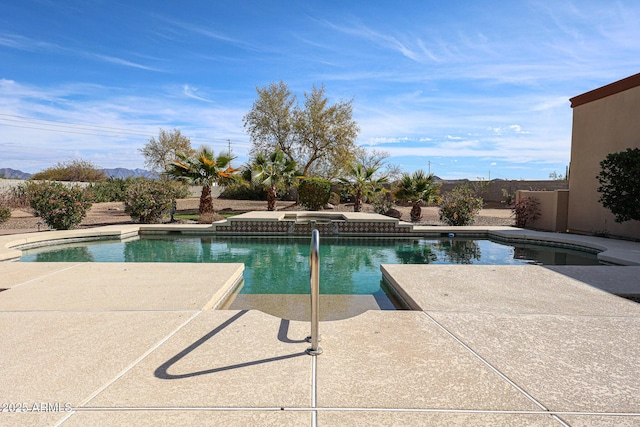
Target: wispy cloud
107 127
119 61
16 41
194 28
190 91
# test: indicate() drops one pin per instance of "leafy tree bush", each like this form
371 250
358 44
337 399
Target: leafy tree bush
110 190
159 153
115 189
619 184
314 193
60 206
5 214
526 211
240 191
149 201
319 136
381 202
460 206
72 170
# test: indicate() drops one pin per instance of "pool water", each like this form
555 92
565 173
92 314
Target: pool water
280 265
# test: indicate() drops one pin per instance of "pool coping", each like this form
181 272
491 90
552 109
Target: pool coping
499 357
610 251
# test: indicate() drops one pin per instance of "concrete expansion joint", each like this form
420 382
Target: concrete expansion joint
130 367
46 275
347 409
489 365
525 315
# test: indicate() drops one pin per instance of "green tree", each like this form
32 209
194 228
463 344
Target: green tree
269 123
620 185
5 213
71 170
460 206
361 183
273 173
319 137
326 135
417 188
160 152
206 170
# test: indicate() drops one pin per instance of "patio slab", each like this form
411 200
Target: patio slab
29 419
402 359
486 336
64 357
224 359
119 286
189 418
602 420
432 419
14 273
568 363
625 281
505 289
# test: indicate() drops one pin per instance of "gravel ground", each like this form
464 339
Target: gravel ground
113 213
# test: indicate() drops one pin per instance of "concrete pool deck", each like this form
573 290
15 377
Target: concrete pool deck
139 344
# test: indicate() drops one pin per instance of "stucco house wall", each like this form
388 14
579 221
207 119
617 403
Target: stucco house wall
605 120
552 208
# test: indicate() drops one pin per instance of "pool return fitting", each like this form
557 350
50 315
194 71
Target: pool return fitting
314 267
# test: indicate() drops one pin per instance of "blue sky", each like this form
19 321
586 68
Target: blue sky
463 89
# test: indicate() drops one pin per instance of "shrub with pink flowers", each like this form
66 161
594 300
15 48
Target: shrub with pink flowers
60 206
149 201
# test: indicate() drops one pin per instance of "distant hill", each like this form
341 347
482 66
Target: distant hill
14 174
126 173
114 173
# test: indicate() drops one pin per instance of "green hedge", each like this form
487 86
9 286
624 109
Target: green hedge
314 193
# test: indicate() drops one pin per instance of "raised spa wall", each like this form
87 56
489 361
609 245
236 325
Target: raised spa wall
330 224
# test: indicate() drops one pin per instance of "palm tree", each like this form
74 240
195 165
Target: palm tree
361 183
273 173
418 188
206 170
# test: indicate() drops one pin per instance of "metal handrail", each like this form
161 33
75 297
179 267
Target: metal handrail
314 266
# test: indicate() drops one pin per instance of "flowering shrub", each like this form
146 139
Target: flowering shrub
149 201
460 206
61 207
526 211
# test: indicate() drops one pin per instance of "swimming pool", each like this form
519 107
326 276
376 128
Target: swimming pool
280 265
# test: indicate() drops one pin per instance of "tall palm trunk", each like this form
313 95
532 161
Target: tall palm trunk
206 202
357 205
416 212
271 198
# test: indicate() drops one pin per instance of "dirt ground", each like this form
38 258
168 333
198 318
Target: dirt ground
113 213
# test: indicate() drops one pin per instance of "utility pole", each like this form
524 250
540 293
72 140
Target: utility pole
429 163
229 141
